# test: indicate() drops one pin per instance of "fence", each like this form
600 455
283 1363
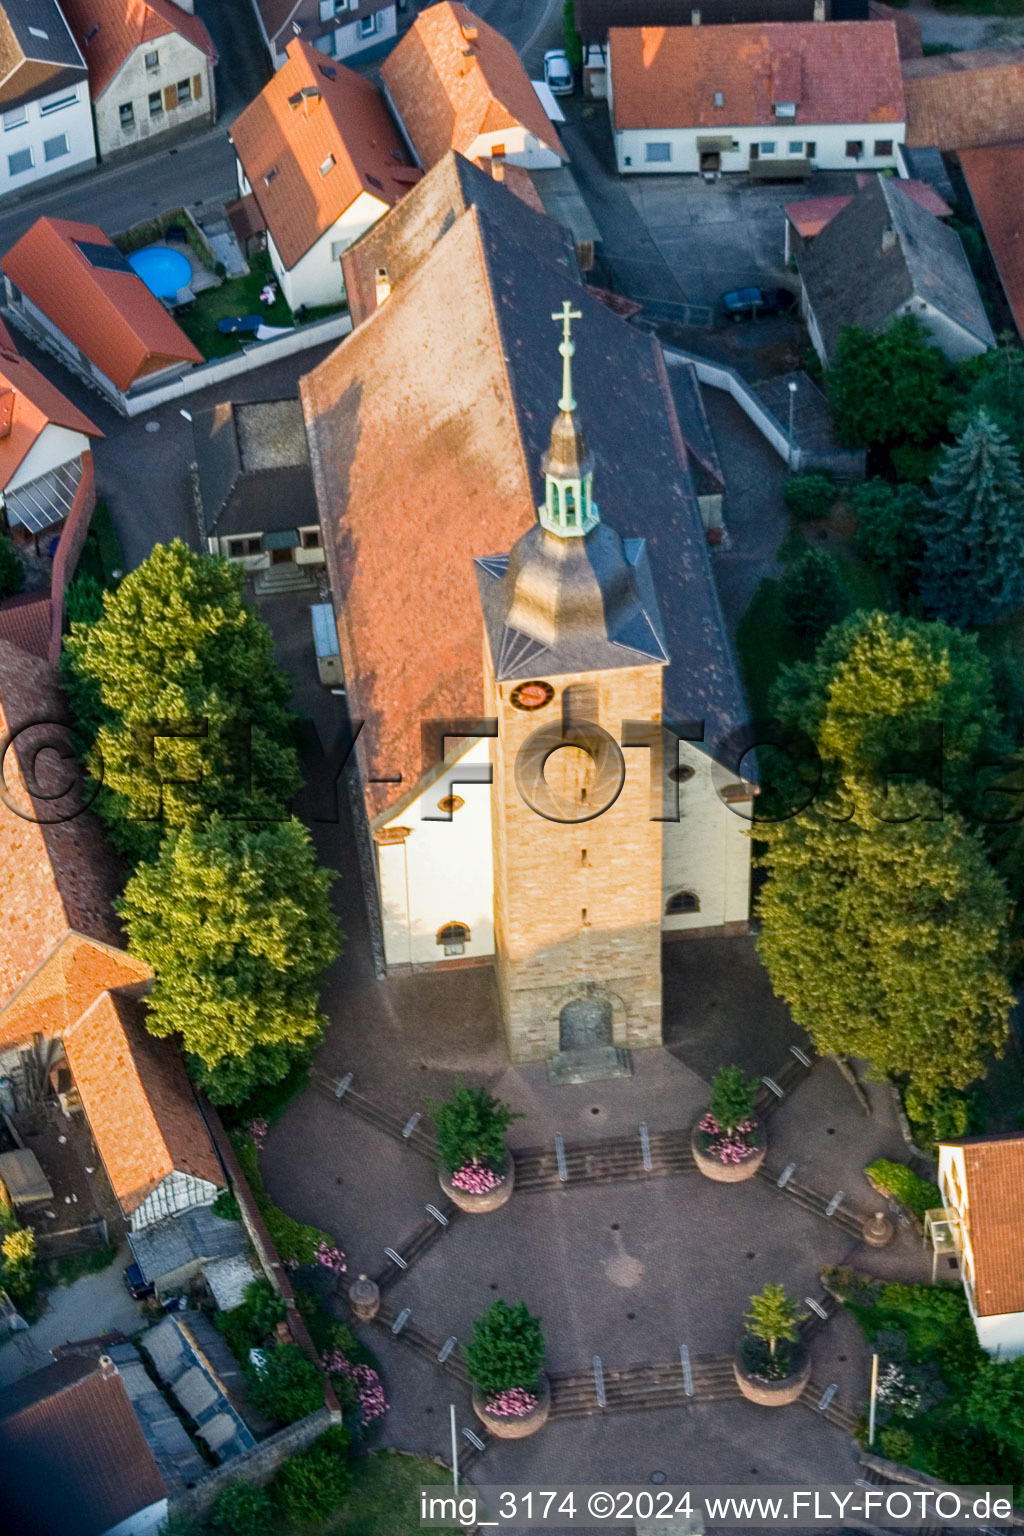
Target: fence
62 1245
256 355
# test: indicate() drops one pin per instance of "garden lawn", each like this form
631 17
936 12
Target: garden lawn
238 296
385 1495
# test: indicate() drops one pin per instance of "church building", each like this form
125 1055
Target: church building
528 622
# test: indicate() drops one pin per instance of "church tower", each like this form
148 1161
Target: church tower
574 646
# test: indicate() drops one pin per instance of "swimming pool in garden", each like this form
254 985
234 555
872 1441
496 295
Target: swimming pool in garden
164 272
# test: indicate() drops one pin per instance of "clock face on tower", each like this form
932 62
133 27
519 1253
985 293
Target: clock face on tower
531 695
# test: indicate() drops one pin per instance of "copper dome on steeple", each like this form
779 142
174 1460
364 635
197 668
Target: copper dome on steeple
567 457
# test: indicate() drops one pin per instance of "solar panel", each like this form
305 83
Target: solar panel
105 258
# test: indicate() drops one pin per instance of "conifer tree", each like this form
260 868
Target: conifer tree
972 571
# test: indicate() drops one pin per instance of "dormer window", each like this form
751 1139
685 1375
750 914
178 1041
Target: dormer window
785 109
268 178
326 165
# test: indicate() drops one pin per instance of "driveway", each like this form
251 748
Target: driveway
92 1306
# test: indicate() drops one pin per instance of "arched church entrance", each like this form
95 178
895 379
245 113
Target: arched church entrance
585 1023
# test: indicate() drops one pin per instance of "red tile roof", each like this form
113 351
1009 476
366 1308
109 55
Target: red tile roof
25 621
964 100
995 180
283 139
110 315
73 1456
810 215
667 77
123 26
994 1169
57 876
452 78
33 403
138 1101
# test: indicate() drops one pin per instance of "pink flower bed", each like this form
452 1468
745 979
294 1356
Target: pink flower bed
735 1147
331 1258
475 1178
258 1131
372 1402
514 1403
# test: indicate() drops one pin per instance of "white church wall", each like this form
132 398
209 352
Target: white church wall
707 851
441 872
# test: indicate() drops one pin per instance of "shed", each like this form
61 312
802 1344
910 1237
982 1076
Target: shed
325 640
23 1178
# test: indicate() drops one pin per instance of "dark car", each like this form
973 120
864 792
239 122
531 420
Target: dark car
742 302
136 1284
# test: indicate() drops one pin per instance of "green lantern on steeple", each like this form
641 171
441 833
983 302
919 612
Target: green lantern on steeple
569 509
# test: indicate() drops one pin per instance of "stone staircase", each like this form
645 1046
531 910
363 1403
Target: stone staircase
286 577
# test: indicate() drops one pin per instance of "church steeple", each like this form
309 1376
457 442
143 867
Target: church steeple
569 509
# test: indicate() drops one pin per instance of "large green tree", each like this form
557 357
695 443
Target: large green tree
237 925
177 649
890 386
888 940
884 925
972 569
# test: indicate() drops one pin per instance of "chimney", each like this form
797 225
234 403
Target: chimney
470 34
695 17
819 10
6 411
382 287
107 1367
498 170
888 238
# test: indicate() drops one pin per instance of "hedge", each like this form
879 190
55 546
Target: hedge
902 1184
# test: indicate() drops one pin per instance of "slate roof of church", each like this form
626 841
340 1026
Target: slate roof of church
426 432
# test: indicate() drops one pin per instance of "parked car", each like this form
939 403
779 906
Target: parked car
558 72
741 302
136 1284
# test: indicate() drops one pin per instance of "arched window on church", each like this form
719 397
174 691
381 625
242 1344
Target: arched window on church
453 937
680 902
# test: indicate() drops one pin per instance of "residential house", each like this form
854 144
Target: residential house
982 1183
778 99
995 180
44 96
809 216
456 83
74 1456
68 990
883 256
150 69
428 428
964 100
344 29
319 161
254 486
45 448
67 285
596 18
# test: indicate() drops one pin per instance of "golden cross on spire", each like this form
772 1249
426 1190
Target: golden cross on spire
565 316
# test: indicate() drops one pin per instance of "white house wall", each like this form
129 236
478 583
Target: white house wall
442 872
520 148
144 1521
43 124
950 338
178 59
53 447
316 277
829 140
1002 1335
707 851
349 41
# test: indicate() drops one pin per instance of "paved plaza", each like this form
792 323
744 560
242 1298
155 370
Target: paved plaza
626 1267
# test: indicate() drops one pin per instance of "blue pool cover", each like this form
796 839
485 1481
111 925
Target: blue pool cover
163 271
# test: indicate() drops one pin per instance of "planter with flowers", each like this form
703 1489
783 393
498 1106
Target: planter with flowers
477 1173
505 1359
728 1141
772 1367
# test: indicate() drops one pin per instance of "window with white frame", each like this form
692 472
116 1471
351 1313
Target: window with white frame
658 152
126 112
57 104
153 61
767 147
15 118
368 25
795 146
156 103
184 92
20 161
55 147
